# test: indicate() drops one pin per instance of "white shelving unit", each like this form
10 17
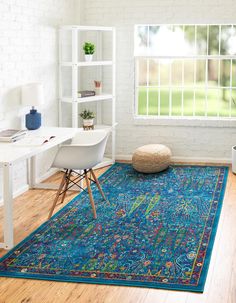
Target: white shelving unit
72 75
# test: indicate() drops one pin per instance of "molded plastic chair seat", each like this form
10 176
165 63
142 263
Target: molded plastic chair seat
85 151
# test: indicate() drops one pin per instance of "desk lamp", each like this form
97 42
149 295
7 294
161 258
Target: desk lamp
32 94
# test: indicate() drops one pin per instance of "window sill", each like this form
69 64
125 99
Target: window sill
185 121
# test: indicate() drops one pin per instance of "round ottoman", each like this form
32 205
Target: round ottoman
151 158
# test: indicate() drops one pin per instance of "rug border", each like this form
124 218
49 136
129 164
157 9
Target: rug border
204 273
62 278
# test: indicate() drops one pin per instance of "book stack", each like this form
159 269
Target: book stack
86 93
12 135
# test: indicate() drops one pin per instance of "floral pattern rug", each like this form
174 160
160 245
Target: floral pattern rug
157 231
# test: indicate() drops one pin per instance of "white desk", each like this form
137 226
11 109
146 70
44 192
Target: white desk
10 153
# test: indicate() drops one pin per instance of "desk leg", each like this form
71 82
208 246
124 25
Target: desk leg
8 206
32 174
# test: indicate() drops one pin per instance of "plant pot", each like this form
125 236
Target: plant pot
87 122
88 58
98 90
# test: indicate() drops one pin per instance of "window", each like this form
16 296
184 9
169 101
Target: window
185 70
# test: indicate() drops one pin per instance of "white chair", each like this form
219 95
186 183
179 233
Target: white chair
85 151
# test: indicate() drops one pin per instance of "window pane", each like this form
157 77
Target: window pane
233 114
213 43
225 73
225 102
232 41
213 101
142 101
202 40
188 72
164 102
153 101
234 73
188 102
189 34
142 72
141 40
164 41
153 39
153 73
176 102
177 72
213 72
225 30
200 102
228 40
164 71
200 72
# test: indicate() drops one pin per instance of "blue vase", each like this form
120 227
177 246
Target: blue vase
33 120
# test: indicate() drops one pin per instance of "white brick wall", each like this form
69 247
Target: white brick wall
186 142
29 53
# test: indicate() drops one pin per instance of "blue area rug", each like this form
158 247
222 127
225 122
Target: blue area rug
158 232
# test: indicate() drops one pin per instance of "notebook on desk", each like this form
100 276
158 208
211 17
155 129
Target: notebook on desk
11 135
34 141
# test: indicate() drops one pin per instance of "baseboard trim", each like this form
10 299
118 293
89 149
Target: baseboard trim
201 160
206 160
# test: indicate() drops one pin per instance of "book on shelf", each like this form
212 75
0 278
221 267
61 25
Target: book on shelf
86 93
11 135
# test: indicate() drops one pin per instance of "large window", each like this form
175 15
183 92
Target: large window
185 70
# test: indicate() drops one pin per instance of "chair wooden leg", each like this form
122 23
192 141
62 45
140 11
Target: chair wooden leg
90 194
57 195
66 185
99 186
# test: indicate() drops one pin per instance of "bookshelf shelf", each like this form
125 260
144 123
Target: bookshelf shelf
84 63
95 98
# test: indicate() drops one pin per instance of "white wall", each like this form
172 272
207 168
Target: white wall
187 142
29 53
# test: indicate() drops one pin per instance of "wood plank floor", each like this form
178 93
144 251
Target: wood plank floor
31 210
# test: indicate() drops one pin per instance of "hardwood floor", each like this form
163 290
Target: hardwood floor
31 210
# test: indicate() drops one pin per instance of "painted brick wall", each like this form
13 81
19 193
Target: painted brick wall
187 142
29 53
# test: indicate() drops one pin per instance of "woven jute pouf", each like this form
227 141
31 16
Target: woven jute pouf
151 158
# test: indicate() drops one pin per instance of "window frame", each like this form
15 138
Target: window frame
139 118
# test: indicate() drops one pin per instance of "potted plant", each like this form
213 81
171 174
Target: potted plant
87 117
89 49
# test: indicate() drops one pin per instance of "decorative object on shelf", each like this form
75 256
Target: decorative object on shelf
89 49
32 94
98 87
86 93
87 117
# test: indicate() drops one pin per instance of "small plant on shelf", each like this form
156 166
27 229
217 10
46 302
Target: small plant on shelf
89 49
87 117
